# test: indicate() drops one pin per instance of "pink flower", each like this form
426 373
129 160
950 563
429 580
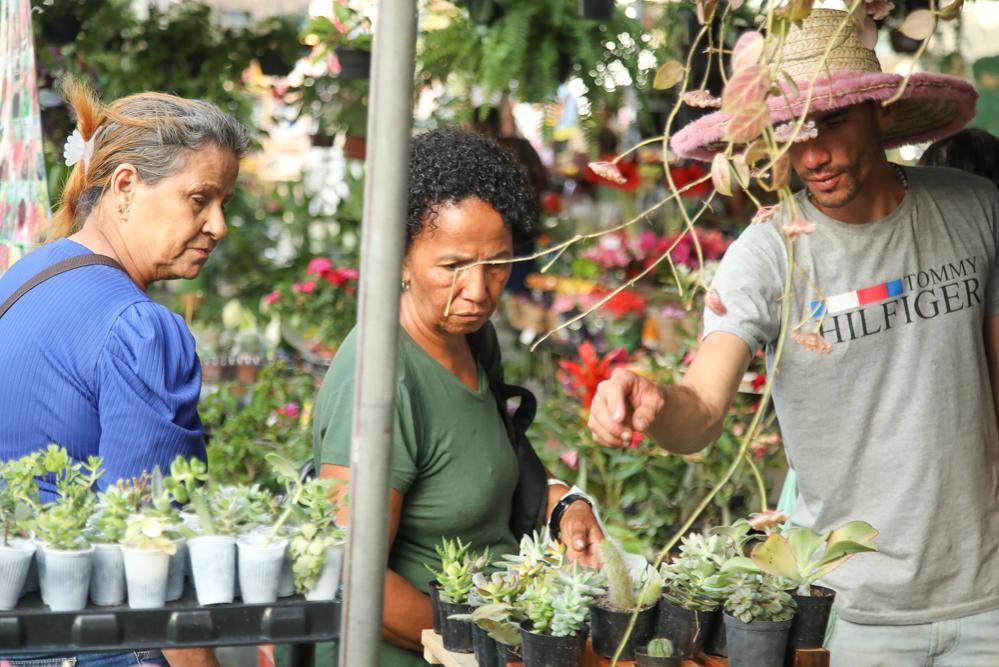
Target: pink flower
785 132
290 410
304 288
813 341
570 457
767 519
714 302
272 297
797 227
319 266
341 275
608 170
701 99
763 214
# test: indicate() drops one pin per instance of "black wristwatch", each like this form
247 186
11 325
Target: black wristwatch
555 521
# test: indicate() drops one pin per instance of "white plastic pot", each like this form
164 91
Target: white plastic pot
146 572
213 566
65 578
286 585
259 567
107 576
178 568
15 561
329 579
39 563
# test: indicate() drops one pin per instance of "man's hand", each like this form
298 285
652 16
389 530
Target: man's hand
624 404
580 533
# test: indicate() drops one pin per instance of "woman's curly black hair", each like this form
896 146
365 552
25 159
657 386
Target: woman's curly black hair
448 166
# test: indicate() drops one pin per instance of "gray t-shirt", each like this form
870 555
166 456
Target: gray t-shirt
896 425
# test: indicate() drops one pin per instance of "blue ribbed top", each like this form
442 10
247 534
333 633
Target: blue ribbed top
88 361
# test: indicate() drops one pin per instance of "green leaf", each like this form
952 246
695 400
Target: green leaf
668 75
854 531
776 557
836 555
739 564
804 545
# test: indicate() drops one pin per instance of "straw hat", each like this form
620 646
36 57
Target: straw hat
932 106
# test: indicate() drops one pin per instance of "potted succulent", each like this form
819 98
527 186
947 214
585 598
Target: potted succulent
693 591
495 626
107 531
18 499
67 555
626 594
802 557
758 613
659 652
161 505
316 546
556 604
261 552
147 548
455 580
213 550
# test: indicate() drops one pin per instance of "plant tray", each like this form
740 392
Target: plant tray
33 628
435 654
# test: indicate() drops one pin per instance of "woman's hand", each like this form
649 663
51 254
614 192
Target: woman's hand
580 533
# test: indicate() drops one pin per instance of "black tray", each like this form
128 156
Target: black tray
33 628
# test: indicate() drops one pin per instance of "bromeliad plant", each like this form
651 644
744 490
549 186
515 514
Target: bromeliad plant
802 557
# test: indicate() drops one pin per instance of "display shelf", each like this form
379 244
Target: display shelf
33 628
435 654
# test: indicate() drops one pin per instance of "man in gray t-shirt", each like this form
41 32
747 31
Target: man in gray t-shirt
893 419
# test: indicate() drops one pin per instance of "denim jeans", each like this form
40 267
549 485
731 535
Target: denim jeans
970 641
115 659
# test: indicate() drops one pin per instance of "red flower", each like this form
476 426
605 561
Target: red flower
684 175
622 175
319 266
304 288
592 370
625 303
340 276
759 381
290 410
272 297
552 203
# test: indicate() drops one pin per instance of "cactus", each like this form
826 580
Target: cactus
659 648
620 591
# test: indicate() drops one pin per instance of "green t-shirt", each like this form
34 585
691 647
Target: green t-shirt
451 458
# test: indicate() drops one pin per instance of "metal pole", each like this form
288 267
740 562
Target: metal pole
390 120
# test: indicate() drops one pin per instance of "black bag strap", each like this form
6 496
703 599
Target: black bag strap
65 265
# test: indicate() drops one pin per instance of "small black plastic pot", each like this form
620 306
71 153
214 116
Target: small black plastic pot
489 652
714 642
645 660
457 635
687 629
354 63
757 643
538 650
808 627
607 627
597 10
435 604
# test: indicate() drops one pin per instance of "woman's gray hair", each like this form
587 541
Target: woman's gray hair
157 134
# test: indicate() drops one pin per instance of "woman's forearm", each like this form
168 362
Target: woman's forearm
407 613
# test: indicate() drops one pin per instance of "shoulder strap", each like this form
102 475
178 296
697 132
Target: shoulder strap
59 267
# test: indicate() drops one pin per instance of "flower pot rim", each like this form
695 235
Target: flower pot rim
213 537
19 544
135 549
756 622
600 605
527 626
273 545
665 599
89 549
824 592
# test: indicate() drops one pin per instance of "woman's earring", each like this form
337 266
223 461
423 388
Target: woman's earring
405 285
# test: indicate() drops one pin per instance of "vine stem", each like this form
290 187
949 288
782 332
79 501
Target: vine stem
760 486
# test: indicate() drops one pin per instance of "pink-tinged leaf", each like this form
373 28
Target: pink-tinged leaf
714 302
797 227
952 11
735 4
747 86
668 75
747 50
747 123
609 171
701 99
705 8
721 175
780 175
797 10
814 341
918 25
741 169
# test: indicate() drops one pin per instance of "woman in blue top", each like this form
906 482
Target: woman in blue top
89 361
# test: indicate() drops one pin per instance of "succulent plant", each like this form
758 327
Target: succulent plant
230 509
537 551
312 508
557 602
660 647
693 580
623 592
758 597
19 496
458 567
148 532
61 523
110 518
60 527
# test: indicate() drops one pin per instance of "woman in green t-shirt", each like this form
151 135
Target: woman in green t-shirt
453 469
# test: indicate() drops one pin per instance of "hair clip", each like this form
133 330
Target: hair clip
77 149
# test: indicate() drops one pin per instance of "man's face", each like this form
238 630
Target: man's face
837 163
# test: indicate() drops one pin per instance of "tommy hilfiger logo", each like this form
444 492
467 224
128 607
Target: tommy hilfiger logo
922 295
